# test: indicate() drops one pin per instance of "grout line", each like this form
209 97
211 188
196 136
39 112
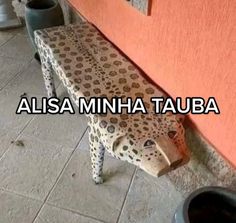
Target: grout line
126 195
77 144
76 212
20 195
8 40
16 58
27 64
59 176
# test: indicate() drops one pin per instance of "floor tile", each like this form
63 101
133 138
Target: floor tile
5 36
6 139
150 200
84 143
18 31
61 91
9 68
57 215
9 120
9 33
30 81
77 191
31 169
66 129
18 48
16 209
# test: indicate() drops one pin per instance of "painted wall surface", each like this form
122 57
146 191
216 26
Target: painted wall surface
186 47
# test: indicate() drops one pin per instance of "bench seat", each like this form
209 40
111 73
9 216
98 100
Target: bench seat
91 67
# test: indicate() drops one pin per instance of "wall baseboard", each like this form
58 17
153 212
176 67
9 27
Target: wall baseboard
206 167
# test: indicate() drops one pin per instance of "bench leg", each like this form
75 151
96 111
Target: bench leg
97 152
48 79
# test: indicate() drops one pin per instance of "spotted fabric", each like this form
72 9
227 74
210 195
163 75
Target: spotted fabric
90 66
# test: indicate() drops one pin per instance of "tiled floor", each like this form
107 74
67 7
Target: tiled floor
47 178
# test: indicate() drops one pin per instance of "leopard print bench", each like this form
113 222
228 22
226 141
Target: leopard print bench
90 66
